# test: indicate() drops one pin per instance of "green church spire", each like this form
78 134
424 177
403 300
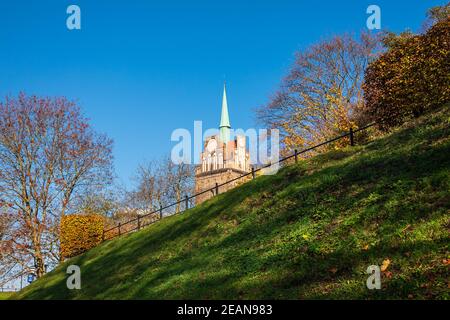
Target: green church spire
224 119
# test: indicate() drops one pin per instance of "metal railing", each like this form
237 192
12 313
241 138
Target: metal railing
157 215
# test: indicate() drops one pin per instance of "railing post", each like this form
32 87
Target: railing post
296 155
119 229
352 139
253 172
186 199
139 222
160 212
217 188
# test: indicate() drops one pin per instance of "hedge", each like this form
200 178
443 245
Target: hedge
79 233
411 78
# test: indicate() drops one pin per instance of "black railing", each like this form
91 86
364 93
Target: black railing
157 215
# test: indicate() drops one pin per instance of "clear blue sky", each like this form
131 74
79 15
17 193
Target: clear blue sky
141 69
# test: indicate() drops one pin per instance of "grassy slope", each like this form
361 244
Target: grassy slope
308 232
5 295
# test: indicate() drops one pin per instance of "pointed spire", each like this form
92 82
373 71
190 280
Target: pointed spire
224 119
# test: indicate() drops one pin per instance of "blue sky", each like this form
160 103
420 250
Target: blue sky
140 69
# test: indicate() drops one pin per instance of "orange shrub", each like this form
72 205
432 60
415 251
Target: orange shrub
80 233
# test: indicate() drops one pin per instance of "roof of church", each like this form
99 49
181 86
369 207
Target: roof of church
224 119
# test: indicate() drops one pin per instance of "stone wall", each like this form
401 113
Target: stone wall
207 180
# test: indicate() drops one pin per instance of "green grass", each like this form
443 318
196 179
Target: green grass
309 232
5 295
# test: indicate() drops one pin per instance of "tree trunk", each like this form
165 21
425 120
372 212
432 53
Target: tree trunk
178 192
38 259
39 264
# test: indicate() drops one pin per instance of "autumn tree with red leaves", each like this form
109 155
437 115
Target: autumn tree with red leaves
49 155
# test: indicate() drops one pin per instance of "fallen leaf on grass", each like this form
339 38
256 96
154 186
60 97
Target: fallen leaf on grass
385 265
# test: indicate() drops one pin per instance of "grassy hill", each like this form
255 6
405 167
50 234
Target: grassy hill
310 231
5 295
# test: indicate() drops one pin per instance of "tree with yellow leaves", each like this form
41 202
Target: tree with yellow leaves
321 96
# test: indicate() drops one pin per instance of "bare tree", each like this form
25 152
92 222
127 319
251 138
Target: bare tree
48 154
104 203
145 194
321 95
180 178
160 183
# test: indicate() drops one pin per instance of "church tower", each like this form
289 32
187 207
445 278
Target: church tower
223 158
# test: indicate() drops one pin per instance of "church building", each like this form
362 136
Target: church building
223 158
